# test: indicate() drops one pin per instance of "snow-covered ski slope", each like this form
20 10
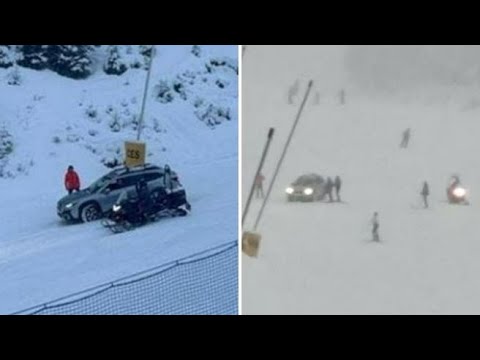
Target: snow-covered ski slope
317 258
42 259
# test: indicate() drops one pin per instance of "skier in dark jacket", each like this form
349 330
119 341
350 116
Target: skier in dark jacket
337 185
425 192
375 226
405 138
329 189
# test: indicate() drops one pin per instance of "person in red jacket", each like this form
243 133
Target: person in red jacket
72 181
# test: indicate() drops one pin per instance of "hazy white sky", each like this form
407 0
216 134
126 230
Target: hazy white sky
282 64
381 67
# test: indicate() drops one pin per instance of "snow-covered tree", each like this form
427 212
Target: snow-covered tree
6 56
164 92
33 56
14 77
6 143
115 64
146 52
197 50
72 61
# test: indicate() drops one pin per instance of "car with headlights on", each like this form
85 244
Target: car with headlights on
307 188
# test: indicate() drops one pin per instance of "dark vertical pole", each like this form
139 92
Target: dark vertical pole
309 88
260 166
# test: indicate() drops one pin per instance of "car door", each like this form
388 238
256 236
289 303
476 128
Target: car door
111 193
154 180
131 181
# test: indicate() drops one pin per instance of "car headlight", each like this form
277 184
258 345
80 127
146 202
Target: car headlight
308 191
459 192
116 208
69 205
289 190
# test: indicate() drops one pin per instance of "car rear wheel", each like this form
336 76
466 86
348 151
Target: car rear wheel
90 212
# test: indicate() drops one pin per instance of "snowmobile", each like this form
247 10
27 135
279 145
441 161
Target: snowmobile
130 212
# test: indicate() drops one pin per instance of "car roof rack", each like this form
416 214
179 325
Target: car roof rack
122 169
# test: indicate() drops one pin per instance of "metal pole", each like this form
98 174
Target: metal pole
283 154
260 166
140 121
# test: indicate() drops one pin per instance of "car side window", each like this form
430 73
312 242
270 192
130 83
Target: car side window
132 180
153 176
117 184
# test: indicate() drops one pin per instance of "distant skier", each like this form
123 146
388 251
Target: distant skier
259 186
337 184
425 192
72 180
405 139
342 97
329 189
293 91
375 226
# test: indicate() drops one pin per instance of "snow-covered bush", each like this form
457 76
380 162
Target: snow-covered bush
6 143
197 50
198 102
6 56
221 83
72 61
164 92
221 63
14 78
115 64
34 56
114 122
113 160
91 112
179 88
73 138
212 115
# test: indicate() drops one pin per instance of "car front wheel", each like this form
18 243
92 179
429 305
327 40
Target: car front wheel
90 212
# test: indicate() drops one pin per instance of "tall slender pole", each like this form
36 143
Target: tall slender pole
260 166
309 88
145 92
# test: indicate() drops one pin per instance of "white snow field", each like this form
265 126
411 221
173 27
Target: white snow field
42 259
317 258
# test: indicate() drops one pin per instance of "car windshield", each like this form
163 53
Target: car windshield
302 181
307 180
99 183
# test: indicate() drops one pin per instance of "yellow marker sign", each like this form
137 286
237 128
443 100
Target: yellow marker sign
134 153
251 243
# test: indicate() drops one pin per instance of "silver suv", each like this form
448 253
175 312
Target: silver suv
97 200
309 187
